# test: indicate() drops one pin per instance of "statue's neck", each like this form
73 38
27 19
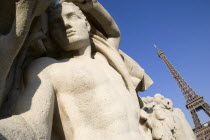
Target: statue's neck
84 52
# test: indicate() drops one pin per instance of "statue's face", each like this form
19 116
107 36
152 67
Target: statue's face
70 30
167 103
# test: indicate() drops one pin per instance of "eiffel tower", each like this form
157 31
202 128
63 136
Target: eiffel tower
194 102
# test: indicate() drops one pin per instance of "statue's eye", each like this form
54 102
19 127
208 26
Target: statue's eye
74 17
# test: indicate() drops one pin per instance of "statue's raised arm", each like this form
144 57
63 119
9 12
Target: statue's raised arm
12 41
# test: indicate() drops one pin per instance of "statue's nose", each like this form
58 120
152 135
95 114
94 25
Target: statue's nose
67 25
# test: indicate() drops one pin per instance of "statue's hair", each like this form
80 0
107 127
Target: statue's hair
79 11
56 10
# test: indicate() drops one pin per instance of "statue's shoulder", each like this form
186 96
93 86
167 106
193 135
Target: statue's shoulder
40 67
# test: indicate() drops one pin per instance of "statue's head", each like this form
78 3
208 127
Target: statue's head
167 103
69 27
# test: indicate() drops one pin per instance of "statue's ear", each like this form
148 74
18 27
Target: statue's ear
88 26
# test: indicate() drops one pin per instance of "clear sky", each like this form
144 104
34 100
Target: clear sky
181 28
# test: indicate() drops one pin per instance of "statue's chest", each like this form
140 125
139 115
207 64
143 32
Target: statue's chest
81 76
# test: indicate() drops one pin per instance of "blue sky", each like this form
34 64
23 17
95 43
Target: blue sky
181 28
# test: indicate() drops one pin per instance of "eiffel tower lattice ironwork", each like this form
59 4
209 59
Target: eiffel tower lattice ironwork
194 102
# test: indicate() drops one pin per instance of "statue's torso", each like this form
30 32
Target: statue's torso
93 101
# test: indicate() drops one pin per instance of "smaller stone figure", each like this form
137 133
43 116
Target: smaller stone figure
164 121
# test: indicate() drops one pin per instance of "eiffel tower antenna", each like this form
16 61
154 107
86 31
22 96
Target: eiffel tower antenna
156 47
194 102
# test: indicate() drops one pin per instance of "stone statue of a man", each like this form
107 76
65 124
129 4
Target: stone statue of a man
85 94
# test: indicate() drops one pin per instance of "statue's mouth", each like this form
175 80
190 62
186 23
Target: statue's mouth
70 33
